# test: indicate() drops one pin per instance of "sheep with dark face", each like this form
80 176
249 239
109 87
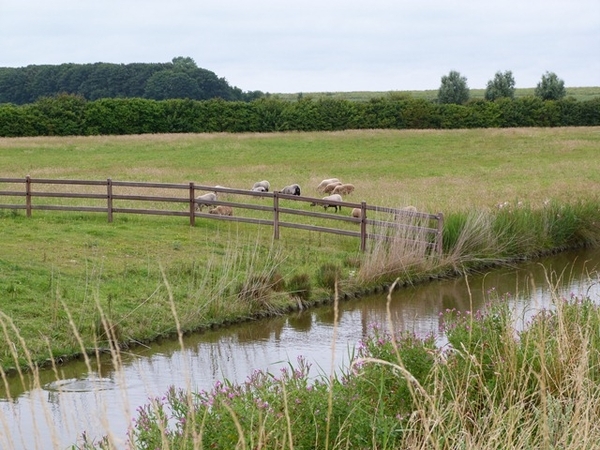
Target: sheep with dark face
292 189
202 200
343 189
222 210
334 198
324 183
261 186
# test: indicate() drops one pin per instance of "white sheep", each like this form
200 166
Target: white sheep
222 210
325 182
356 212
292 189
331 186
261 186
202 200
334 198
343 189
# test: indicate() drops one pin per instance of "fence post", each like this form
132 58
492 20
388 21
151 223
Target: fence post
440 230
192 204
276 215
109 200
28 195
363 226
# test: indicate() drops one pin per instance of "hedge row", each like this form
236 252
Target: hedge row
72 115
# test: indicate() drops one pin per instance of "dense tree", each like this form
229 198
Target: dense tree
182 78
170 84
502 86
550 87
453 89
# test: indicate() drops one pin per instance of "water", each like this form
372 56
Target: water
53 410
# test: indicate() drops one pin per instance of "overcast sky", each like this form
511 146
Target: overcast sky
281 46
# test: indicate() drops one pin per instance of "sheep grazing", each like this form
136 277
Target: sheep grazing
356 212
202 200
334 198
292 189
407 211
343 189
261 186
222 210
331 186
324 183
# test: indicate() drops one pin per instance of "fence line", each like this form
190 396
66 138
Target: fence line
432 236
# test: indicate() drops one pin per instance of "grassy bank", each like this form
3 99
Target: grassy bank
71 281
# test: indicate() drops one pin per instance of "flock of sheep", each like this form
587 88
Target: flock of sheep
332 186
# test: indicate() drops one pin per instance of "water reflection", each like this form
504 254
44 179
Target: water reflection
101 399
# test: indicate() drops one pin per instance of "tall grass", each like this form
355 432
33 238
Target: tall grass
492 386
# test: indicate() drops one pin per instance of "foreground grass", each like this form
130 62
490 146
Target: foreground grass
490 387
70 278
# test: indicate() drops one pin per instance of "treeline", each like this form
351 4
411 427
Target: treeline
65 115
181 78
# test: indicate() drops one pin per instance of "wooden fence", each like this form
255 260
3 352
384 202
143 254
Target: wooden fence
115 197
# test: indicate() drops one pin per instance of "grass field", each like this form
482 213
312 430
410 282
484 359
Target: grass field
578 93
65 274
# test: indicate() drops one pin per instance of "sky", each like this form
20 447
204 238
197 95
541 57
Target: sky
278 46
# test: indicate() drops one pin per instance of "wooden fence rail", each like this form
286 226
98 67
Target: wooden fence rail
113 197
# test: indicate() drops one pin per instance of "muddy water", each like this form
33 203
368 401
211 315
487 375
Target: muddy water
53 411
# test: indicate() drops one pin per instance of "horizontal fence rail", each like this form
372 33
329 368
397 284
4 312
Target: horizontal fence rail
124 197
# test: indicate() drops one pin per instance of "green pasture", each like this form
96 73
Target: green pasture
578 93
66 277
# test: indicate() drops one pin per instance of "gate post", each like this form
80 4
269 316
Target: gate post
28 195
109 200
192 192
363 226
276 215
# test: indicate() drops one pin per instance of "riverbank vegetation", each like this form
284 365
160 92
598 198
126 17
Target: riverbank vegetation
498 382
67 277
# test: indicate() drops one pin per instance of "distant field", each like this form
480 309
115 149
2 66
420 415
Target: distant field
579 93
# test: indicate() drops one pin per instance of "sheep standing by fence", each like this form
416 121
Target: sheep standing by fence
261 186
203 200
331 186
292 189
343 189
333 198
323 184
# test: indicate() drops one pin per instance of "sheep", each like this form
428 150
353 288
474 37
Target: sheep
261 186
334 198
407 211
356 212
222 210
202 199
343 189
292 189
331 186
325 182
